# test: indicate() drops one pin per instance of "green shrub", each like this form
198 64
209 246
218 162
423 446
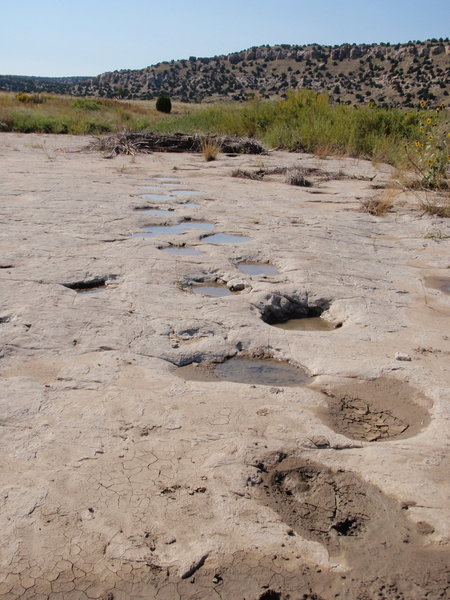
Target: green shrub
85 104
164 104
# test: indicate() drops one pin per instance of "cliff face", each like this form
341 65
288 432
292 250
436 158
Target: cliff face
399 74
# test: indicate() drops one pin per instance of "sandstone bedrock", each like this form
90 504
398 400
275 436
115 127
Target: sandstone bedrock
123 480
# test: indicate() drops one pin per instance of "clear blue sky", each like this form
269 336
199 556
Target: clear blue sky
88 37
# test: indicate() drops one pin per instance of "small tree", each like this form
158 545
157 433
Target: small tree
163 104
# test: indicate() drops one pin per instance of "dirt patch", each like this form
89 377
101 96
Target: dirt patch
359 524
318 504
375 410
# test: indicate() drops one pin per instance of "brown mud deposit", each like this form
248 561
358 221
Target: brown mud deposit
358 524
306 324
375 410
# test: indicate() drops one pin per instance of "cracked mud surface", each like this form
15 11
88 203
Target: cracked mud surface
376 410
121 480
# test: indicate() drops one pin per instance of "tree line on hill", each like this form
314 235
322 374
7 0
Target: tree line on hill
384 74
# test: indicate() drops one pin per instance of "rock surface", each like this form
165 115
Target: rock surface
122 480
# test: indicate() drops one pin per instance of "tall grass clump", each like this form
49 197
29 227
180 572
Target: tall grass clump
209 148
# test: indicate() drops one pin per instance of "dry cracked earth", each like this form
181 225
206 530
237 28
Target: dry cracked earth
165 441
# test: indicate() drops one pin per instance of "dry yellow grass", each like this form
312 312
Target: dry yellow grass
210 149
379 205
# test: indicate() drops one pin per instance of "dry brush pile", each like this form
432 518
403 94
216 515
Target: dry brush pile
131 142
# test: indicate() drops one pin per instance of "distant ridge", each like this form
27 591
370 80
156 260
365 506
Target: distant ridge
53 85
387 74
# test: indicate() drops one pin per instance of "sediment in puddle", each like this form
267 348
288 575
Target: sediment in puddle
212 290
376 410
306 324
246 370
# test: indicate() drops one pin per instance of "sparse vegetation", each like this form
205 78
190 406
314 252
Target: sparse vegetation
377 206
296 176
305 120
436 235
438 206
209 148
245 174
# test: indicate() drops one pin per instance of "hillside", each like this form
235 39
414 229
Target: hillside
399 75
53 85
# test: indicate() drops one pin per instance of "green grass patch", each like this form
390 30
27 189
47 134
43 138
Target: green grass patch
305 120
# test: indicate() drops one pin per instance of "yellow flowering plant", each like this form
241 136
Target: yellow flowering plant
431 158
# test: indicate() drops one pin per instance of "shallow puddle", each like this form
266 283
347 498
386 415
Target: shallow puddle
174 229
182 250
154 196
251 371
151 188
438 283
184 192
155 211
306 324
257 269
225 238
214 291
190 205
